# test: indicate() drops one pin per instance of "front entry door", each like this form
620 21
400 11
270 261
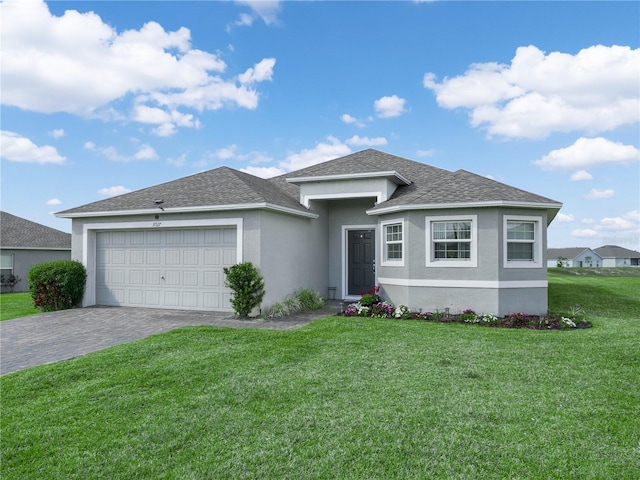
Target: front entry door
361 261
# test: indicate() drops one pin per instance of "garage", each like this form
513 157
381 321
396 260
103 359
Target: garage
165 268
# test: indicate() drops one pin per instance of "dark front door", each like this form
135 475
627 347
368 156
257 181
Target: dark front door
361 261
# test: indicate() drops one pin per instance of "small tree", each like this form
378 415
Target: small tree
560 261
57 285
247 285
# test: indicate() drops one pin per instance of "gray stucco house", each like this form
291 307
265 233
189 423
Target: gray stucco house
24 243
573 257
430 238
615 256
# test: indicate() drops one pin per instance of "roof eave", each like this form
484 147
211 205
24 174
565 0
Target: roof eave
207 208
552 207
391 175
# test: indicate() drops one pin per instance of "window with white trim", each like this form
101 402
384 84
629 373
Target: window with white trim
452 241
6 264
393 243
522 242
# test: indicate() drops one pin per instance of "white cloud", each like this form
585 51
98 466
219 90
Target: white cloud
54 201
322 152
226 153
16 148
113 191
47 62
389 107
588 151
177 162
267 10
358 141
426 153
581 175
593 91
584 233
564 218
144 152
259 72
597 193
350 120
57 133
622 229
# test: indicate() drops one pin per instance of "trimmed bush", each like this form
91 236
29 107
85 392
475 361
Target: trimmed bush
247 285
57 285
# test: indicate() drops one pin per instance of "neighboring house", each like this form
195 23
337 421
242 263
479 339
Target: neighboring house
614 256
430 238
24 243
573 257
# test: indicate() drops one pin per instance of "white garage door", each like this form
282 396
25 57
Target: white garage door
171 268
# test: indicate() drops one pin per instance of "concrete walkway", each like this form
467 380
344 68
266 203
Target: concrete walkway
52 337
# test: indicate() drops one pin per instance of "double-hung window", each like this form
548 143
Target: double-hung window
6 264
452 241
522 242
393 243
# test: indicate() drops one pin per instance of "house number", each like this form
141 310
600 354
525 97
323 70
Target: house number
156 224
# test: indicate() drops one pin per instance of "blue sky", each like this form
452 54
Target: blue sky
102 98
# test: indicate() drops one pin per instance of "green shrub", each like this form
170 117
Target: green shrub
57 285
247 285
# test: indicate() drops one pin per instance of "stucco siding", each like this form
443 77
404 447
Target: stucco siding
294 255
23 260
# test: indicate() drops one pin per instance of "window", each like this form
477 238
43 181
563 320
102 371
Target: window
523 246
452 241
393 243
6 264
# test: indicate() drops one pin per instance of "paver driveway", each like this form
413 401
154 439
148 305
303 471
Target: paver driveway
52 337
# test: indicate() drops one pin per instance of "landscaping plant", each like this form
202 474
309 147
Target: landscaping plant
57 285
247 285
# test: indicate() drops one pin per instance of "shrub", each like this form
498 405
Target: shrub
371 297
247 285
303 301
310 300
57 285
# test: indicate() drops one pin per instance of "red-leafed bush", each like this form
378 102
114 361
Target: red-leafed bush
57 285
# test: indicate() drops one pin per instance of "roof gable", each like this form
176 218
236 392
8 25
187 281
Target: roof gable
16 232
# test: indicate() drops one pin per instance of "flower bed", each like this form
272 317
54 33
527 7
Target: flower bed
575 318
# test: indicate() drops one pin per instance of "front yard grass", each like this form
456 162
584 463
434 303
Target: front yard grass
342 398
15 305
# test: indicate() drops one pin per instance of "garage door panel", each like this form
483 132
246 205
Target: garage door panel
165 268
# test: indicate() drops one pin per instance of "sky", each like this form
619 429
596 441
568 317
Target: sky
103 98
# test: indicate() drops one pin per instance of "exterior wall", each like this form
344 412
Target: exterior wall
293 255
491 286
23 260
379 188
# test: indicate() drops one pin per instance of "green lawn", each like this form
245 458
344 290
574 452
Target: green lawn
344 398
15 305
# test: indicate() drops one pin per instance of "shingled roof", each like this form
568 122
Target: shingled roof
614 251
19 233
428 187
568 253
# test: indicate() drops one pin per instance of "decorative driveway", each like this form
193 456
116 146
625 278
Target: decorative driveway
52 337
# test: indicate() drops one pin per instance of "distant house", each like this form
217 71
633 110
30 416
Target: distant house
23 244
429 238
573 257
615 256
